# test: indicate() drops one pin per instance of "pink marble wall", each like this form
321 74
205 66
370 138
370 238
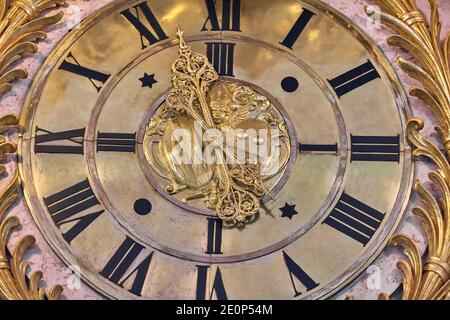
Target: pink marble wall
43 258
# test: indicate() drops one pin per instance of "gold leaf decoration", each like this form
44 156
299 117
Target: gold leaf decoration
422 39
20 28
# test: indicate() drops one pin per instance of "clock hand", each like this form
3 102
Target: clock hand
192 76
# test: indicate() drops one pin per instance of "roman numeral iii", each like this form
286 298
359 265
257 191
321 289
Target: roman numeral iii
231 16
145 33
116 142
375 148
355 219
354 78
117 270
72 65
65 205
221 55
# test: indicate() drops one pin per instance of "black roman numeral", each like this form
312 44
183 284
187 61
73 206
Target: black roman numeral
221 55
297 29
355 219
354 78
218 286
117 267
64 205
375 148
214 236
318 147
93 76
116 142
296 271
73 141
145 32
231 16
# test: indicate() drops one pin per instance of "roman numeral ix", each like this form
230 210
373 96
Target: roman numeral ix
66 142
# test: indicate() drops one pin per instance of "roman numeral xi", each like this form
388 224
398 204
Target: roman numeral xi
142 25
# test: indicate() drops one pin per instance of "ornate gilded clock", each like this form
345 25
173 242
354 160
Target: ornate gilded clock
231 149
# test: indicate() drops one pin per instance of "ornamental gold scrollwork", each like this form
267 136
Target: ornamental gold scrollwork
229 186
20 28
422 39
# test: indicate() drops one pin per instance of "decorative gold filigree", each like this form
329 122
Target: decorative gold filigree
422 39
231 188
20 28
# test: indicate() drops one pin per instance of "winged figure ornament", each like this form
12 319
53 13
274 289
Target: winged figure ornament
233 184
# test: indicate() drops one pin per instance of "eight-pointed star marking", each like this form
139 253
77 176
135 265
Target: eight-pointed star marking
148 80
288 211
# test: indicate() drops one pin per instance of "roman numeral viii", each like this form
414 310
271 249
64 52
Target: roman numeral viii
355 219
144 31
72 65
68 142
117 270
65 205
354 78
231 16
221 55
375 148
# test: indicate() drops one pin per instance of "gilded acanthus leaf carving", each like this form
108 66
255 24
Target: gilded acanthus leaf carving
20 27
422 39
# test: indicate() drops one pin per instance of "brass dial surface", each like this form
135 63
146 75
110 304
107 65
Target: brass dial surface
103 208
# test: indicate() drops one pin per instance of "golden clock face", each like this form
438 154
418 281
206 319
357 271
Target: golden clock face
100 156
